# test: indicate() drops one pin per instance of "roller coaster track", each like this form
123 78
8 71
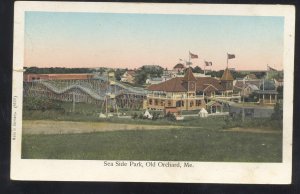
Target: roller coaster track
130 89
86 90
92 92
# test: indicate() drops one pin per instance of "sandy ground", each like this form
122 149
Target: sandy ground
65 127
68 127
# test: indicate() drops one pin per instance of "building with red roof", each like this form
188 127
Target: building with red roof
71 76
189 92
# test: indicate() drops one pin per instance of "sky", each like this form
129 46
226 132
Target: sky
57 39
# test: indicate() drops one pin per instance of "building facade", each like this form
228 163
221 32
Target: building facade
128 76
189 92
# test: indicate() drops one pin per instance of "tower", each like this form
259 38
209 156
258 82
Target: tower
189 81
227 80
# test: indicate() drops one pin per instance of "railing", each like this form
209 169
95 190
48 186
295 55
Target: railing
225 96
173 97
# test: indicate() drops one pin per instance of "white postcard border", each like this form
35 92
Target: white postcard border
202 172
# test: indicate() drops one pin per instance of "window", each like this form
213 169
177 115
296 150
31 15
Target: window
169 103
162 103
198 102
156 102
200 93
179 103
191 103
150 101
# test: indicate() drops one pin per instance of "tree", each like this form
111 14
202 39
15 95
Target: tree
155 116
147 71
119 73
259 75
101 70
197 69
237 74
280 92
278 112
58 70
170 116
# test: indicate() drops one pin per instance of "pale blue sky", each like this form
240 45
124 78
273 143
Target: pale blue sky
132 40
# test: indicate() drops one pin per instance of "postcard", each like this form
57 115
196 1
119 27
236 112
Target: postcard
149 92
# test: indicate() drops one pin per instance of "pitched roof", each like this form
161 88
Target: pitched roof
179 65
251 76
227 76
240 83
172 85
189 76
131 72
213 103
206 84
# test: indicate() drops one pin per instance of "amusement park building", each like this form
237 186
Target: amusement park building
34 77
189 92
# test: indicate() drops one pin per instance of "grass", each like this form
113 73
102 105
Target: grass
205 142
169 144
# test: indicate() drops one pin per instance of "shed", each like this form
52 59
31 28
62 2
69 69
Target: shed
147 114
203 113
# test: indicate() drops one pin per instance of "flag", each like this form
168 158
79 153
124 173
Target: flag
230 56
193 56
208 63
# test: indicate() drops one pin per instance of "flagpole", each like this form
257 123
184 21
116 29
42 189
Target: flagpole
189 58
227 61
204 67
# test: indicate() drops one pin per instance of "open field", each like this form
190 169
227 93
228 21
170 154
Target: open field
82 135
69 127
127 142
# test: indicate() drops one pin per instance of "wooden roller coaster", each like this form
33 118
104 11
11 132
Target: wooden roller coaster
93 91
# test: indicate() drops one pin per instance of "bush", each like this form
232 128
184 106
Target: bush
141 116
278 112
155 116
134 116
43 104
171 117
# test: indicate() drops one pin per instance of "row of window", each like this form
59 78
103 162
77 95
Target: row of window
179 103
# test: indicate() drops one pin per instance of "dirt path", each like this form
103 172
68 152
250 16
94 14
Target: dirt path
64 127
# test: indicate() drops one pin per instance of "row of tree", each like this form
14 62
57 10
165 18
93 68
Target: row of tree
147 71
141 75
57 70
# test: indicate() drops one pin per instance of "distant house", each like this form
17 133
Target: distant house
154 80
250 76
246 88
267 93
179 68
278 82
128 76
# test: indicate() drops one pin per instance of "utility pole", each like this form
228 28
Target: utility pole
73 102
243 110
